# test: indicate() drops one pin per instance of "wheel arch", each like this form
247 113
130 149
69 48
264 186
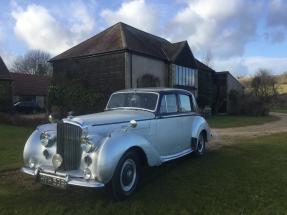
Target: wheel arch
116 146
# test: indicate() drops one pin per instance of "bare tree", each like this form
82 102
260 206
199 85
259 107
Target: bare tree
264 85
208 58
33 62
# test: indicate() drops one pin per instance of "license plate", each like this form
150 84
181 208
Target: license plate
52 180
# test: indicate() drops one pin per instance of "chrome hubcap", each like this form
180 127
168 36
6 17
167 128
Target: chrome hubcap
128 175
200 144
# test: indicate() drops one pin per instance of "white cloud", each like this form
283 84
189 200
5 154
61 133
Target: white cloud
277 15
81 19
39 29
7 57
136 13
242 66
220 26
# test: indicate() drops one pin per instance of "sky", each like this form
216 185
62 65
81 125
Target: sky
241 36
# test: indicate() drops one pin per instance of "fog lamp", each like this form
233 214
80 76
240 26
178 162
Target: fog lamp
87 174
57 161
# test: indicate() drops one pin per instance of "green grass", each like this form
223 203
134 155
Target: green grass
282 88
238 121
279 110
12 139
245 178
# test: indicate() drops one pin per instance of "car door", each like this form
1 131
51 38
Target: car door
187 110
169 132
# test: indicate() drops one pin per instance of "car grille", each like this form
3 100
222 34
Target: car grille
68 145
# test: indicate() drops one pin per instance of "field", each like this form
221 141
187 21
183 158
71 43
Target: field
238 121
246 177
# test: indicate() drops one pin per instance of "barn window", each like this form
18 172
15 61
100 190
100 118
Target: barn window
183 76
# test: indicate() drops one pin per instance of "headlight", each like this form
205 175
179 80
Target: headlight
47 139
86 143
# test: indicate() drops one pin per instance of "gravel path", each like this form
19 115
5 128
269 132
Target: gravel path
226 136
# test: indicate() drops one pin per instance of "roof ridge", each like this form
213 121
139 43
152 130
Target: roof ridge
150 34
91 38
123 35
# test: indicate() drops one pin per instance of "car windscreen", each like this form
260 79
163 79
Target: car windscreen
133 100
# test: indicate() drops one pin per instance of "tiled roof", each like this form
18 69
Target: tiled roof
4 72
124 37
29 85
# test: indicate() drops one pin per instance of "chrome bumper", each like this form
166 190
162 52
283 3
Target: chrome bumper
74 181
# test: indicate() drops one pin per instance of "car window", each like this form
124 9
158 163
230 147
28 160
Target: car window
133 100
168 104
185 103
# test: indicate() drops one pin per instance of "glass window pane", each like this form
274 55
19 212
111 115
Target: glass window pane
170 103
177 75
185 104
184 76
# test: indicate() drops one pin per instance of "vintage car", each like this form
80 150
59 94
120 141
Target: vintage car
138 127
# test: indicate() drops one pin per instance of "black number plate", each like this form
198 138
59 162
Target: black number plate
54 181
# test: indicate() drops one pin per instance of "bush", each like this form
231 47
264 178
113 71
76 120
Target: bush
234 102
253 105
76 98
23 120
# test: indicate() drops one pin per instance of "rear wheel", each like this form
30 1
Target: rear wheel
201 141
127 175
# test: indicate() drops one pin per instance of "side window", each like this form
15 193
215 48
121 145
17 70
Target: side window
185 103
168 104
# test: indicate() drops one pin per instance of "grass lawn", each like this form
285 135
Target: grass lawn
279 110
12 139
245 178
238 121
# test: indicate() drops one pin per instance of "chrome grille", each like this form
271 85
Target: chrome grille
68 145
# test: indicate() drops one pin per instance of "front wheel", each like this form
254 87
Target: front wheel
127 175
201 141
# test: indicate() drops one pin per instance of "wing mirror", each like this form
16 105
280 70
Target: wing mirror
133 123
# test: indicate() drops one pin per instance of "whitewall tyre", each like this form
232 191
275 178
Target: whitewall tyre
127 174
201 143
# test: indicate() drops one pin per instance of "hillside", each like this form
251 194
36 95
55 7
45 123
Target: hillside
280 79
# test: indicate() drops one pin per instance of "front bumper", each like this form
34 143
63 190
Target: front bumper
69 178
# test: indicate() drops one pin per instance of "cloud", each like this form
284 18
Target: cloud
7 57
82 21
220 26
39 29
136 13
277 15
242 66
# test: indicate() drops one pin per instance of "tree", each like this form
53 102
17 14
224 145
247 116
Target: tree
33 62
208 58
264 85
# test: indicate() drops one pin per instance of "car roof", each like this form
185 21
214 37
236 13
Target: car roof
154 89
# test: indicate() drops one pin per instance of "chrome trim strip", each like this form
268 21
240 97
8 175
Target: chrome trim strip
174 156
112 123
179 115
73 181
85 183
28 171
